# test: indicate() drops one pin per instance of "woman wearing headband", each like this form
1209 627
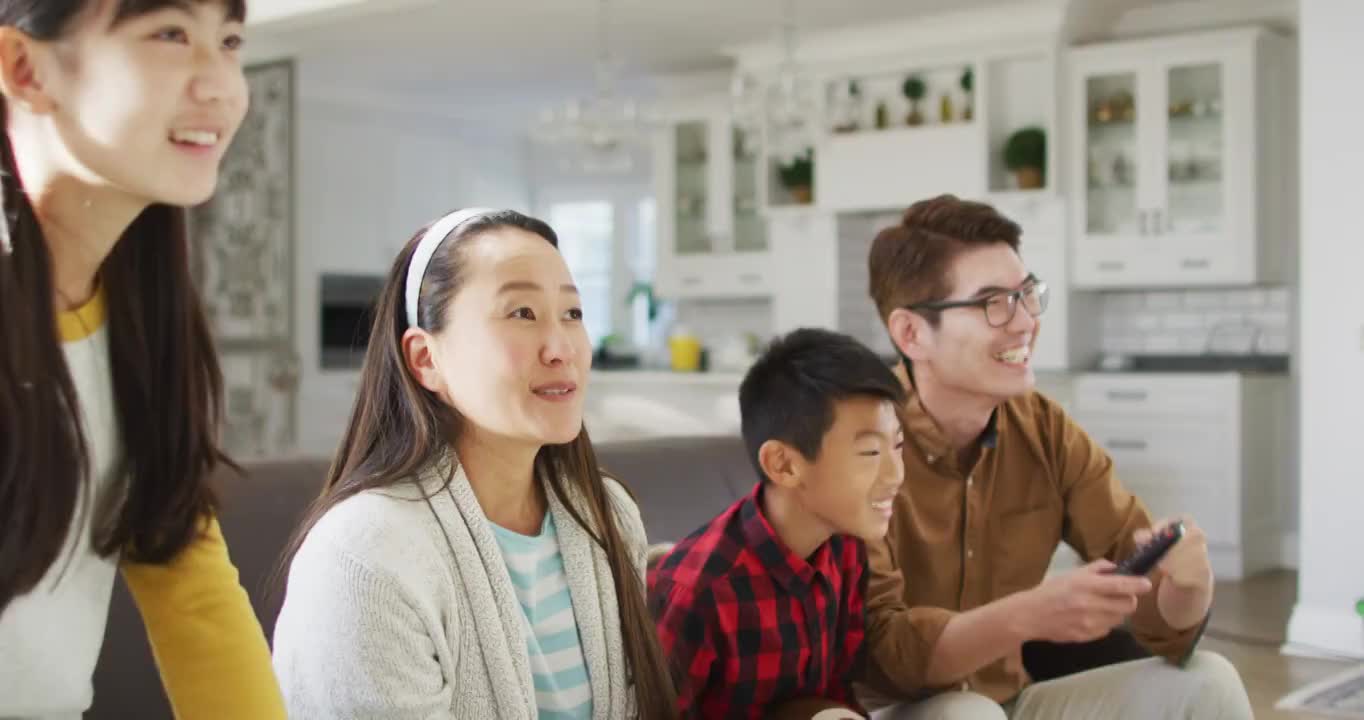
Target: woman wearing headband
115 115
466 558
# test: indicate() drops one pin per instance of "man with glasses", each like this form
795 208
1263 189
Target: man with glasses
996 475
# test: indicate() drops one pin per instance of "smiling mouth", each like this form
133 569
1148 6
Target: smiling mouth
1014 356
195 138
555 391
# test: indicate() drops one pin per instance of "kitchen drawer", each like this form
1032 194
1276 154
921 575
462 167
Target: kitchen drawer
1169 452
1109 262
1177 467
1205 395
717 275
1214 509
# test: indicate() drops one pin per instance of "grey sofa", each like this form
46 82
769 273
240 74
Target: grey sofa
680 483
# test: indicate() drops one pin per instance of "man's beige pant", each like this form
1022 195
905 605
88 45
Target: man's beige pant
1207 688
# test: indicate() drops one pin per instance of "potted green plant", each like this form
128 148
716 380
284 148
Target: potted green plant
968 82
798 176
1025 154
914 89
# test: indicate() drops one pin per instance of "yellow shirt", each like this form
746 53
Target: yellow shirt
206 639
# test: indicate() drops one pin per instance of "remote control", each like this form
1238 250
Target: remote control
1145 558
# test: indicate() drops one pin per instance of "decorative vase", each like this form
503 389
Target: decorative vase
915 118
803 194
945 108
1029 178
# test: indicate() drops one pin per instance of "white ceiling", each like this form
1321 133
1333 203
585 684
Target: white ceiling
497 60
505 52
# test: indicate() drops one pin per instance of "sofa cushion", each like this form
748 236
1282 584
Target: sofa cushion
680 484
259 511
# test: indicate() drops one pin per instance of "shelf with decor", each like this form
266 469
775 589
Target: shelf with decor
969 126
791 179
1021 107
881 127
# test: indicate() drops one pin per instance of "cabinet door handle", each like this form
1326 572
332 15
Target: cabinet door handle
1195 263
1126 444
1111 265
690 280
1126 395
750 278
1141 221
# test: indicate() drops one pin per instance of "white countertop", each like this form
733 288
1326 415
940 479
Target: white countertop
665 377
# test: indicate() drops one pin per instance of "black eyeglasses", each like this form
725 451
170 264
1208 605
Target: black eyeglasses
1000 307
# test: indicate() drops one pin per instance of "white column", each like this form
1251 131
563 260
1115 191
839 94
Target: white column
1331 327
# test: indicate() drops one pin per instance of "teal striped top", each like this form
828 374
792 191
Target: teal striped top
556 657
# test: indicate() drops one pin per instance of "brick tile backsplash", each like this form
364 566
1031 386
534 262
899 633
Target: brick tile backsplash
1189 322
716 321
856 312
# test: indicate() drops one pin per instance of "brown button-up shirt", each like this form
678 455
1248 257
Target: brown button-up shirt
959 540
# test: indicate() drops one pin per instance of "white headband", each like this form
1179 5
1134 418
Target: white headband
426 247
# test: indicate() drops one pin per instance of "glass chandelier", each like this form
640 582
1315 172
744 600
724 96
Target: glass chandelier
600 130
780 108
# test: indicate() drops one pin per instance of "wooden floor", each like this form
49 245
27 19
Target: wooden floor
1249 620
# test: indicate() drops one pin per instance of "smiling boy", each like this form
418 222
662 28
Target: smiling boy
763 607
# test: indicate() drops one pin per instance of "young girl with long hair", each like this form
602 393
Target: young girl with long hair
116 114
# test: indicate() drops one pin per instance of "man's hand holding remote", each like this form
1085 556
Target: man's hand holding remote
1081 605
1185 579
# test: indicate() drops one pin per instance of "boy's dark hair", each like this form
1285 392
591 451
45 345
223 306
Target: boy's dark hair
790 392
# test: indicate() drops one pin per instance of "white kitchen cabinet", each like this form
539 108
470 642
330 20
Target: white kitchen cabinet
1181 160
711 233
806 259
875 170
1068 332
1214 446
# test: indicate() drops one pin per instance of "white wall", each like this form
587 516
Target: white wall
1331 326
558 176
367 178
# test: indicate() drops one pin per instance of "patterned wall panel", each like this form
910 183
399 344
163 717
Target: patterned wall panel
245 266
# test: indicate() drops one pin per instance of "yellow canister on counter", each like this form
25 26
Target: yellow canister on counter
685 351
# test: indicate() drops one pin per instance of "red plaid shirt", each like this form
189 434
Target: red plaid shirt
746 624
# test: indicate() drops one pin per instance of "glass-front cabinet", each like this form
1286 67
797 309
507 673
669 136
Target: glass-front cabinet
750 229
1112 153
1194 199
1178 145
706 178
693 228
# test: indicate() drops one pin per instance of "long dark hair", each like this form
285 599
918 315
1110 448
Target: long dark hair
397 428
167 385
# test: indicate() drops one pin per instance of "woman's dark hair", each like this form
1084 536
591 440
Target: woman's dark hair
167 385
398 427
